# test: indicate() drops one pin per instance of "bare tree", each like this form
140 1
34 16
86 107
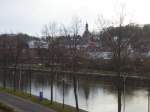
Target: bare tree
76 25
50 32
117 39
6 57
65 45
19 46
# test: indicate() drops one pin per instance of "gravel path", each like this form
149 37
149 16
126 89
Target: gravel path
22 105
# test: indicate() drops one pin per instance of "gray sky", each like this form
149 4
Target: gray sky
29 16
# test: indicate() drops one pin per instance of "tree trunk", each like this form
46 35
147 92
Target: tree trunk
148 99
119 100
14 80
52 78
30 81
75 92
20 78
63 93
119 94
4 78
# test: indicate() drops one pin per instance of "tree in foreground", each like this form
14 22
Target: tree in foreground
118 39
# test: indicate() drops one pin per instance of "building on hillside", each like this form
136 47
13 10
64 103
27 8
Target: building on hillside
90 41
37 44
92 44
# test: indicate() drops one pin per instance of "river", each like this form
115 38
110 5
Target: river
95 94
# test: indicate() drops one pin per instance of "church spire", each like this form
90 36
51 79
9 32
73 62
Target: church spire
86 33
86 27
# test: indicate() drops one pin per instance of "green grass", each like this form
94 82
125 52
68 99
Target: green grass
56 106
6 108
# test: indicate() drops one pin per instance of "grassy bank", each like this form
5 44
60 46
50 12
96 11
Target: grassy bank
56 106
5 108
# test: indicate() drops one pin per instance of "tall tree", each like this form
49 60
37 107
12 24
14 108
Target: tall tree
50 32
6 57
18 48
117 39
76 25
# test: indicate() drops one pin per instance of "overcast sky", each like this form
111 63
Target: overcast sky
29 16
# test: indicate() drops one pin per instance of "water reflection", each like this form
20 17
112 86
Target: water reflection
94 94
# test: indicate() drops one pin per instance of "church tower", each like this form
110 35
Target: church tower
86 27
86 35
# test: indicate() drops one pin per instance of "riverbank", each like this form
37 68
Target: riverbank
58 107
83 72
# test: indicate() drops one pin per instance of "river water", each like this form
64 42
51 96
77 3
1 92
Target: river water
95 94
